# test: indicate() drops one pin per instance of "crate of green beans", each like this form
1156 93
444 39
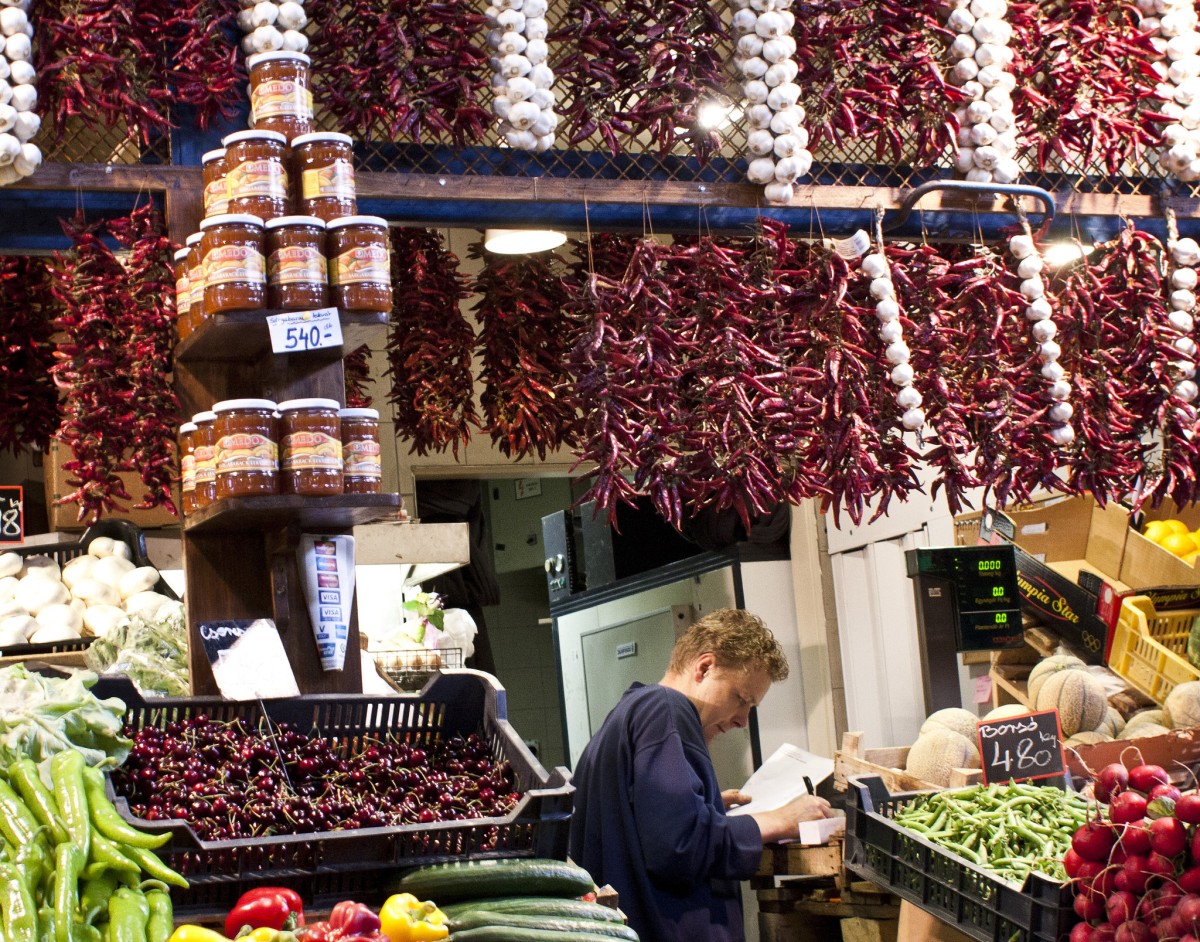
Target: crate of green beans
987 859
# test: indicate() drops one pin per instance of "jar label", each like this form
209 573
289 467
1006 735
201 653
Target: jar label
196 287
246 452
187 472
362 459
311 451
234 263
216 197
363 264
296 264
277 98
205 457
183 293
333 181
263 178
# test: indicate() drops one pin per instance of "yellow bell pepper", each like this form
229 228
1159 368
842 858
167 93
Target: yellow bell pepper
263 934
190 933
404 918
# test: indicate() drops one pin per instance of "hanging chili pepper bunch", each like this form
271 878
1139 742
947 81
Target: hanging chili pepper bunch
1085 83
402 68
870 71
430 345
356 370
199 64
528 403
118 409
643 68
1112 302
30 415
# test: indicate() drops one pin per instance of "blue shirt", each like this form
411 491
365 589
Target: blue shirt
649 820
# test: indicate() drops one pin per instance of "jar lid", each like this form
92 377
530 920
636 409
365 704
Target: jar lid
292 404
181 254
212 155
231 219
228 405
206 416
278 221
356 221
187 427
236 136
322 137
277 54
193 238
358 414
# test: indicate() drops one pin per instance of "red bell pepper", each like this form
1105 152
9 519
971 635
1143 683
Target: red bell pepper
265 907
348 922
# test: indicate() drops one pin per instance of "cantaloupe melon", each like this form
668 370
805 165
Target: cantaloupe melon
1006 711
1183 704
1087 737
1142 730
1079 698
1152 715
1113 722
1049 666
955 719
937 752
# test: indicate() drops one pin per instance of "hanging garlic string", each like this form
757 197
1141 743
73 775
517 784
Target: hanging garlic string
19 122
522 80
1185 256
887 309
981 57
1172 24
1043 329
776 139
270 27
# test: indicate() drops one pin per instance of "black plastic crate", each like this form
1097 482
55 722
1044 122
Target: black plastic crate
331 865
980 904
63 552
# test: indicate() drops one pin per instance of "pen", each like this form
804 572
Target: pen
809 785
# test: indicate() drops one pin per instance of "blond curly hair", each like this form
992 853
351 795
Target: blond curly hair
738 638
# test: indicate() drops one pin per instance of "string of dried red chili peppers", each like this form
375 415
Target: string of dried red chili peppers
356 370
30 415
430 345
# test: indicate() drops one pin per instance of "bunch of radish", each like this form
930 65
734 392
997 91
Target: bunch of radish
1137 868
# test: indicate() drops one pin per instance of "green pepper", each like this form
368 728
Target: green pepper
106 855
128 916
162 916
45 924
152 864
108 820
17 823
17 907
66 771
97 891
25 779
68 864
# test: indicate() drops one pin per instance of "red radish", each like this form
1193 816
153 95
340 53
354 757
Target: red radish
1122 881
1159 866
1165 791
1094 841
1081 933
1090 869
1188 912
1071 862
1104 933
1120 907
1105 881
1145 777
1134 931
1089 908
1189 880
1168 836
1134 839
1170 895
1187 808
1136 873
1196 846
1166 931
1118 855
1151 908
1188 938
1110 780
1126 808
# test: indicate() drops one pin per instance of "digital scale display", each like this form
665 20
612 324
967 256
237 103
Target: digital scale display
982 584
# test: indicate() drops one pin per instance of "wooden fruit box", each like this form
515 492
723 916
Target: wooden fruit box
888 763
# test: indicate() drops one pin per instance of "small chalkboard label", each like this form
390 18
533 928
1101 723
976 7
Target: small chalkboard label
12 513
217 636
1018 748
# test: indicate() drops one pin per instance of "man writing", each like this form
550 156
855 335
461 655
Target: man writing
649 817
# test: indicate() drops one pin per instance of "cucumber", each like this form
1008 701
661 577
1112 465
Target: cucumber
468 879
477 918
536 906
513 934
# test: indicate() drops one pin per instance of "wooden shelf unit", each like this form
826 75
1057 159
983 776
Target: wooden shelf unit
239 554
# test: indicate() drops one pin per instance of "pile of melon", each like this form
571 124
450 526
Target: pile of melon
947 741
41 602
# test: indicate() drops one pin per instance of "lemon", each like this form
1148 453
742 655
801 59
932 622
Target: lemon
1191 558
1176 526
1179 543
1155 530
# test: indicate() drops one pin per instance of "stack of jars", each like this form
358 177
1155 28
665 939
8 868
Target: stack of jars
249 447
280 228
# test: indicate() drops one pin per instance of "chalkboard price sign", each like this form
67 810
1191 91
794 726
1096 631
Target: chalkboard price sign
12 514
1019 748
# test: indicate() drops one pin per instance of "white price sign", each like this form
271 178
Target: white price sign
298 331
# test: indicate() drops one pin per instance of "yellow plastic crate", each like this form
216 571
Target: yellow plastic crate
1149 650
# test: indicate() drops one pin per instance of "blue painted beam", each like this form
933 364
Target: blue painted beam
30 219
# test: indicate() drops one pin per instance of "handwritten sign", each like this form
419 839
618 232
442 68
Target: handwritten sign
1019 748
216 636
12 513
299 331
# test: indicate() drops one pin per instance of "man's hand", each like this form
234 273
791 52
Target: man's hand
734 796
785 822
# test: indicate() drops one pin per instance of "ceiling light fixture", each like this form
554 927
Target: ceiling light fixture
522 241
1058 254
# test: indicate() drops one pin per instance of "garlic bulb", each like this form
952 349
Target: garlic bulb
19 121
891 333
525 99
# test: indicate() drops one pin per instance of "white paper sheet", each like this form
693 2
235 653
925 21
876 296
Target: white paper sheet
781 778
